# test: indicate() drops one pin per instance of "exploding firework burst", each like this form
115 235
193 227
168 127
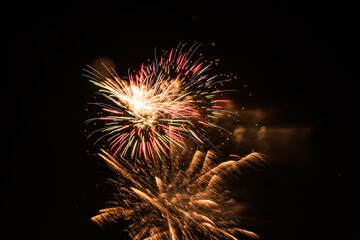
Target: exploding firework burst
182 199
166 102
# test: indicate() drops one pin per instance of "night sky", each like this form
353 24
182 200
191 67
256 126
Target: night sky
299 61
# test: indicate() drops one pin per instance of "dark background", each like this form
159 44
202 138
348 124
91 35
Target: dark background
299 59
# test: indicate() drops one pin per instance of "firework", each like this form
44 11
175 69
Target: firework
183 199
166 102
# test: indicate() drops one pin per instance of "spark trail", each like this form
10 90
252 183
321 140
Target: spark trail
184 199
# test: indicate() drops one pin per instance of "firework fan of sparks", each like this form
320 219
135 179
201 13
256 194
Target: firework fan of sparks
166 102
183 199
